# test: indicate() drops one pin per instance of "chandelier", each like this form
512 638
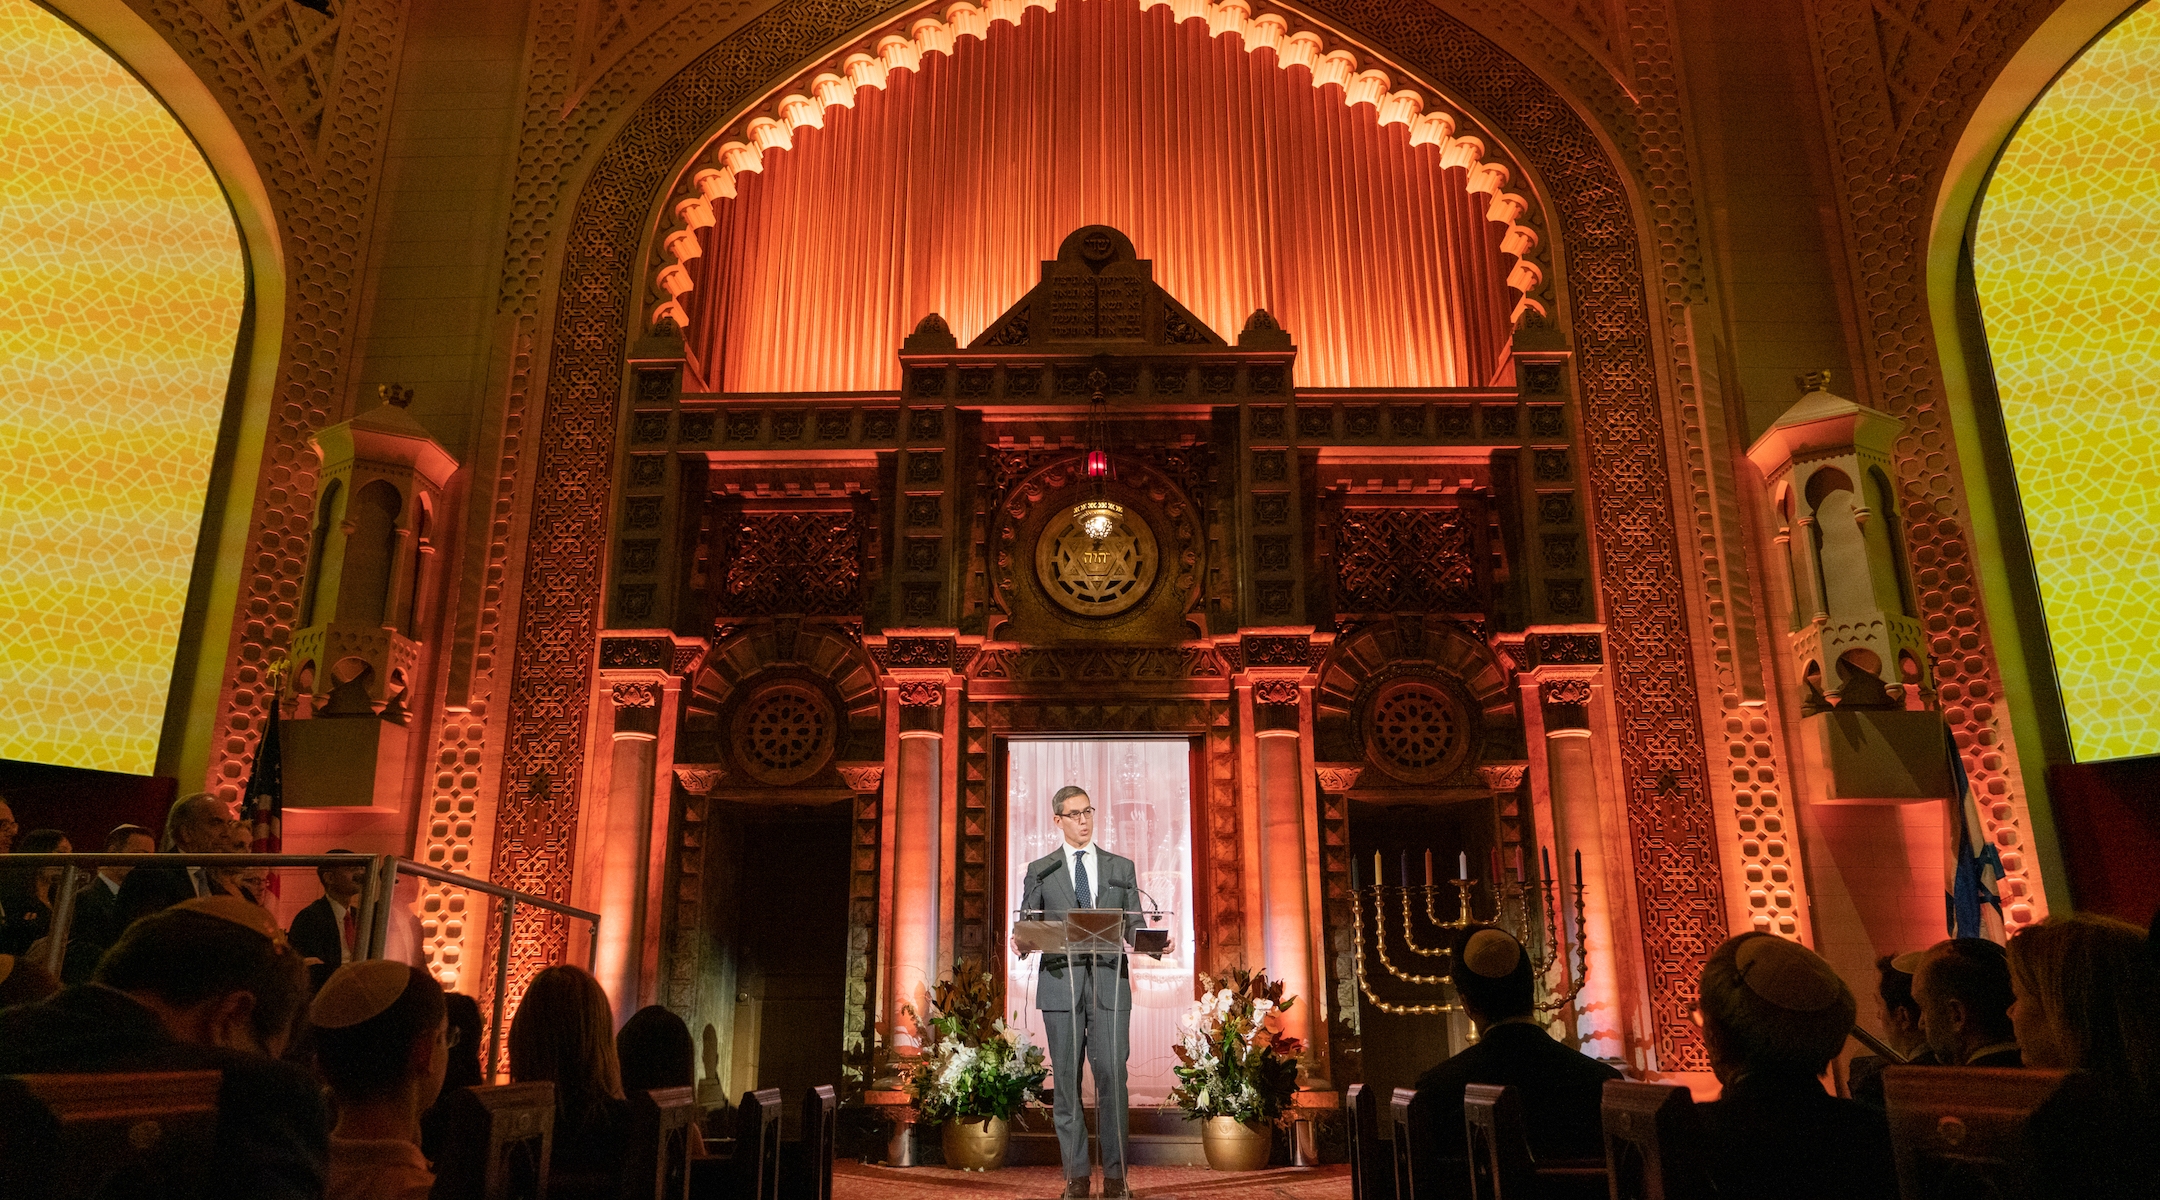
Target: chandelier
1097 517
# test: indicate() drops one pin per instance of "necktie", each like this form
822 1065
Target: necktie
352 933
1083 894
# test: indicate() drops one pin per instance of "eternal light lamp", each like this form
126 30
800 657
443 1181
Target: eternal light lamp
1096 516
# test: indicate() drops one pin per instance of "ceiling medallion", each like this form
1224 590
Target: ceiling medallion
1097 576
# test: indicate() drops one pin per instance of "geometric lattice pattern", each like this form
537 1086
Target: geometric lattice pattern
121 290
2070 293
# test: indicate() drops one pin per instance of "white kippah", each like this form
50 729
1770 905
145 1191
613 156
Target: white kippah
1787 974
359 991
1492 953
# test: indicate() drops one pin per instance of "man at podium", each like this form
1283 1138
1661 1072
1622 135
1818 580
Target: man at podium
1086 999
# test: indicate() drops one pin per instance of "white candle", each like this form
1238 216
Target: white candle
1462 865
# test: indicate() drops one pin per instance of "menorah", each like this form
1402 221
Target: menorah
1511 911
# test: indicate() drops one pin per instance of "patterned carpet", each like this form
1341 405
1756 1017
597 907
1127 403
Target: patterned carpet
855 1181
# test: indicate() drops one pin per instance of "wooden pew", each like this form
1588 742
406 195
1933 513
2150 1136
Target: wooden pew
1372 1171
1501 1165
748 1167
496 1142
65 1137
663 1124
1644 1150
1962 1131
806 1162
1410 1133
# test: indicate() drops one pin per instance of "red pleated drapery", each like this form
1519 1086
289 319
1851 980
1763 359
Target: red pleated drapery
1247 186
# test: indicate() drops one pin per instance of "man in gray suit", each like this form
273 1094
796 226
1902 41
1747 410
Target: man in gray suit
1086 1003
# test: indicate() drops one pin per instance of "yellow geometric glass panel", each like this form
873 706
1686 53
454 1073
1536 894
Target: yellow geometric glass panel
2067 255
121 289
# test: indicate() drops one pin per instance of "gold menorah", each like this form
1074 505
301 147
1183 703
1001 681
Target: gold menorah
1511 911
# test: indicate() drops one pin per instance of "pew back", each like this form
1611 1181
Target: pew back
1372 1170
496 1142
662 1124
108 1135
807 1172
1961 1131
1645 1157
1500 1167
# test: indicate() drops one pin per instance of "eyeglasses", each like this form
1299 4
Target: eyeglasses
1076 814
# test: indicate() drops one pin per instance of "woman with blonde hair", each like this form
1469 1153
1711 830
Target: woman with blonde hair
2087 999
564 1034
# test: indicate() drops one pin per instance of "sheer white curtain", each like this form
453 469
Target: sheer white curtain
1142 790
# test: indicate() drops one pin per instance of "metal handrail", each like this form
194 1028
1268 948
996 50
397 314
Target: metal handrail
375 895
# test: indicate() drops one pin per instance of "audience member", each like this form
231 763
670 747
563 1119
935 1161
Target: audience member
1963 987
327 932
244 882
2088 999
564 1034
196 824
656 1051
1774 1014
97 909
28 893
23 982
1561 1089
466 1027
1900 1015
463 1069
381 1045
7 845
206 985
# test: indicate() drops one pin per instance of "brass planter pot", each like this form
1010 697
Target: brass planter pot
976 1144
1233 1145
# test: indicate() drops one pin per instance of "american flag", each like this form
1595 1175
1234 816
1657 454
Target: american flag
264 803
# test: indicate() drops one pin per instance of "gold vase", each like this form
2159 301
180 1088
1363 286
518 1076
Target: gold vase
1234 1145
975 1143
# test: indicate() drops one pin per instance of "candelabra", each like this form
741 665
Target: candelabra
1511 910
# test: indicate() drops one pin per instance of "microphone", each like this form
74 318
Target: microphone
1151 904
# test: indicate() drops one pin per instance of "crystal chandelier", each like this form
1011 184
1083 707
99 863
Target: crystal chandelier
1097 517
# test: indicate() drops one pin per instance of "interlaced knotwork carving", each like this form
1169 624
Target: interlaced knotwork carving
794 562
1405 560
784 733
1415 731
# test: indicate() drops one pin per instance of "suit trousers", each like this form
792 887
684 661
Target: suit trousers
1104 1038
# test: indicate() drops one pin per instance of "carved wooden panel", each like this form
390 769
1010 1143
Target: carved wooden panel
1390 560
793 562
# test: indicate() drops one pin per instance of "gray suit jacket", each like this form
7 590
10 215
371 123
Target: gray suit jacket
1048 888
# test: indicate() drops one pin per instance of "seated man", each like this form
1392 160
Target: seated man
1901 1028
1963 989
1774 1014
380 1044
207 985
1561 1089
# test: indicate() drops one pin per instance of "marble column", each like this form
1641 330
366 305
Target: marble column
916 812
1571 769
626 844
1285 856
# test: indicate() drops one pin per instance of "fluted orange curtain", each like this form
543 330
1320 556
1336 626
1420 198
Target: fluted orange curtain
1247 186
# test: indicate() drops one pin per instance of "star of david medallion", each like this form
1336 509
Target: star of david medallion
1097 579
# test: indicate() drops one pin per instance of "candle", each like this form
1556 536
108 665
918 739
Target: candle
1578 868
1378 877
1496 866
1428 867
1462 865
1354 884
1545 854
1406 868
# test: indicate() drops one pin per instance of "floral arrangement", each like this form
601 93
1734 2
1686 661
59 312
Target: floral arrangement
1234 1058
974 1063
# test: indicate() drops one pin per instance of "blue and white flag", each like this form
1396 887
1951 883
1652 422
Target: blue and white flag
1972 867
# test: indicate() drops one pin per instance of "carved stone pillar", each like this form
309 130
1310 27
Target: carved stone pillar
1287 857
1564 700
626 839
917 709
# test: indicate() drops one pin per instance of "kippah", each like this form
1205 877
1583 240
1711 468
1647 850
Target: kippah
1492 953
359 991
239 912
1787 974
1909 962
